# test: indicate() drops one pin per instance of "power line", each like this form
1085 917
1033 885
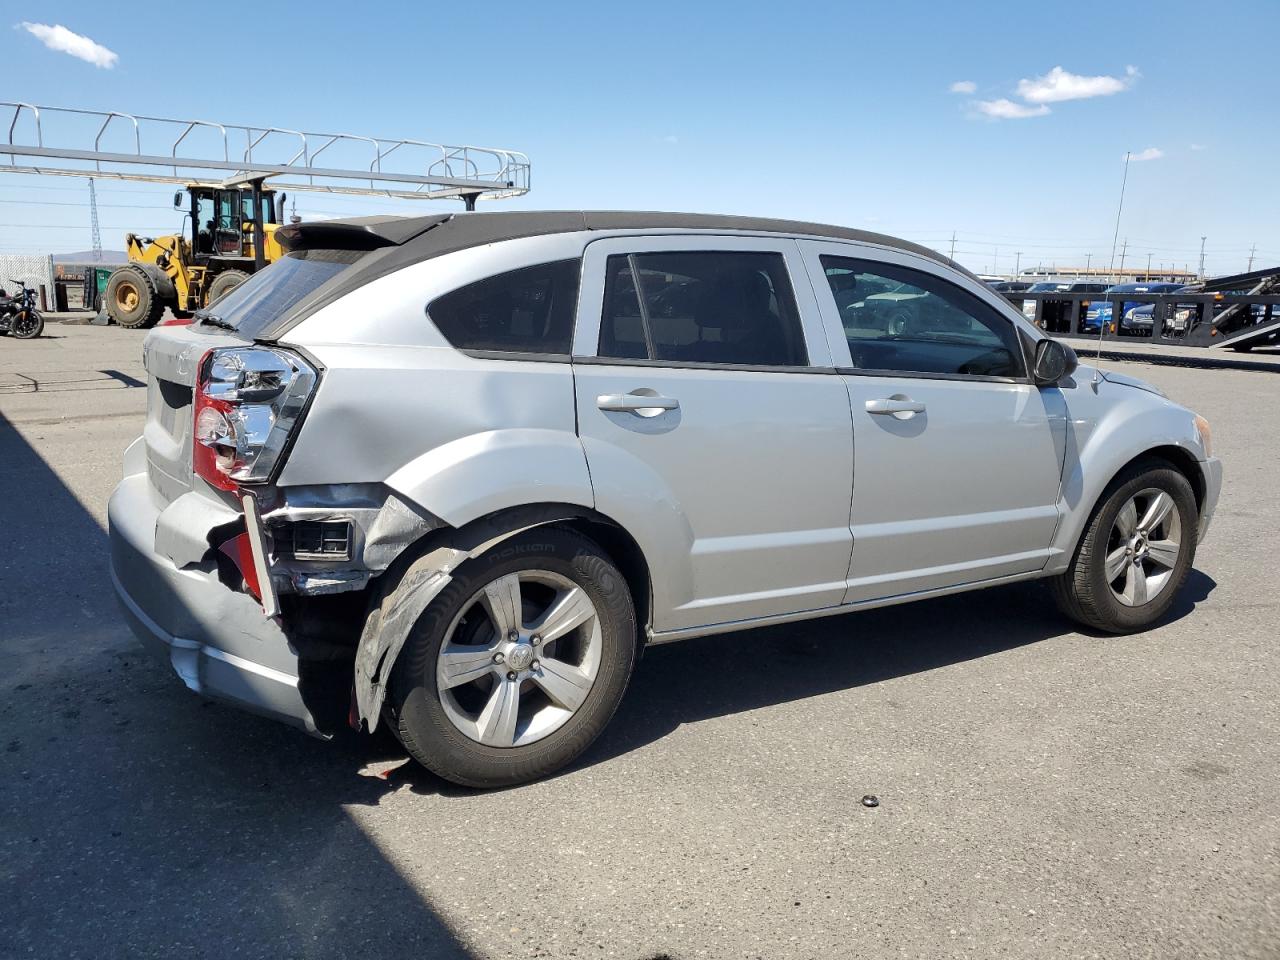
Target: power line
82 204
75 226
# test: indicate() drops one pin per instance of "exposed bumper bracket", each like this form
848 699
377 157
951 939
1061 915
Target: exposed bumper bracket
258 548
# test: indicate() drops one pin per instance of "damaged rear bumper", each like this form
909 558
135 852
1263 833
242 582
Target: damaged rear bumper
217 640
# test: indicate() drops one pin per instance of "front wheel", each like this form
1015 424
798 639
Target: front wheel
223 284
1135 553
518 665
28 325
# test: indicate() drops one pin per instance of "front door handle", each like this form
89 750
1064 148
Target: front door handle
638 403
898 406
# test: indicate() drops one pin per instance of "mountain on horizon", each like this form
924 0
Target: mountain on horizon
86 256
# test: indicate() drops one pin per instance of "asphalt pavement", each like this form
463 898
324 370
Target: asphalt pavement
1042 792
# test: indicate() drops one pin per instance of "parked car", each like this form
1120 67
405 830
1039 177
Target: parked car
452 473
1099 312
1010 286
1054 315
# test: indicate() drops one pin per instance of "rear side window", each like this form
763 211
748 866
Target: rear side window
529 310
267 295
701 307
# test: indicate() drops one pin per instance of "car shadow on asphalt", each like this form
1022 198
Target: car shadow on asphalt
140 821
703 678
732 673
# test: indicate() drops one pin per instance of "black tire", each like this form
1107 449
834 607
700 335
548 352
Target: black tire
28 328
223 284
1083 592
414 702
132 299
1242 347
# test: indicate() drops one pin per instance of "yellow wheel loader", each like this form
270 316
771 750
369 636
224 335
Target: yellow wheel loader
214 254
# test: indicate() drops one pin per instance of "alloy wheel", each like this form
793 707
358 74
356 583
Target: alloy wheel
1143 548
519 659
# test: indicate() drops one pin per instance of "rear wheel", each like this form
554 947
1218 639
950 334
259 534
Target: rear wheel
224 283
132 299
519 663
1135 554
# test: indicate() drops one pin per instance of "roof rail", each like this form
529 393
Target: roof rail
113 145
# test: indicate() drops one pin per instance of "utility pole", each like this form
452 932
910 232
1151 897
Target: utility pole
1202 239
1148 268
952 254
1017 264
1252 251
1088 264
1119 208
1123 249
93 223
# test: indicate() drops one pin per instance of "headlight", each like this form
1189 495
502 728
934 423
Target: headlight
1206 435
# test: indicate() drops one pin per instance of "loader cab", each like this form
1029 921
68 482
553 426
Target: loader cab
218 219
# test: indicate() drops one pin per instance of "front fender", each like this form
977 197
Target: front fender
1106 430
483 473
163 282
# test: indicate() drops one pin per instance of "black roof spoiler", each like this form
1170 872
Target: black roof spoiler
357 233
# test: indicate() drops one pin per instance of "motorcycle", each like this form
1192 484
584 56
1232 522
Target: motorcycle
18 314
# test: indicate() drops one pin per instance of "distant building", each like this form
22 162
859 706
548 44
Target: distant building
1110 276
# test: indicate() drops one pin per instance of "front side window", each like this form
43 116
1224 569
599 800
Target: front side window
529 310
701 307
902 320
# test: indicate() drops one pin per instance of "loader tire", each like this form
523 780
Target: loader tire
223 284
132 299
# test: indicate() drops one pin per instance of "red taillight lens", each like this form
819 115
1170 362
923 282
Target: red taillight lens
247 402
214 443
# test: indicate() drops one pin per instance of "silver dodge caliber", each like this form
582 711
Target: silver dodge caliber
451 473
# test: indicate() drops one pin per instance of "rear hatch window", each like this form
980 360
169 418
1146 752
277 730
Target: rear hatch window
268 295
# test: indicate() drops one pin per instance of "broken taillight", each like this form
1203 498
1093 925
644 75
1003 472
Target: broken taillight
247 402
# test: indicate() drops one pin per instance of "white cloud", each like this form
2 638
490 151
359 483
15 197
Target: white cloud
1004 109
67 41
1151 153
1198 146
963 86
1058 85
670 138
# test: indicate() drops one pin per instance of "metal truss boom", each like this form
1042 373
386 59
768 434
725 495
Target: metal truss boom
121 146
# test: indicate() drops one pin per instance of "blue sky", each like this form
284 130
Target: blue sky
835 112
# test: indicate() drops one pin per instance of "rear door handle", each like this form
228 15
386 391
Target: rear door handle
899 407
637 403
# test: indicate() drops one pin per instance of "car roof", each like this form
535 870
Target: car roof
431 236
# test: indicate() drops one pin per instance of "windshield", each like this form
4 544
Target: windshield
268 294
1046 286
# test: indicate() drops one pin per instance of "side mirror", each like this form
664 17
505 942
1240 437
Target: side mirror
177 200
1054 360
